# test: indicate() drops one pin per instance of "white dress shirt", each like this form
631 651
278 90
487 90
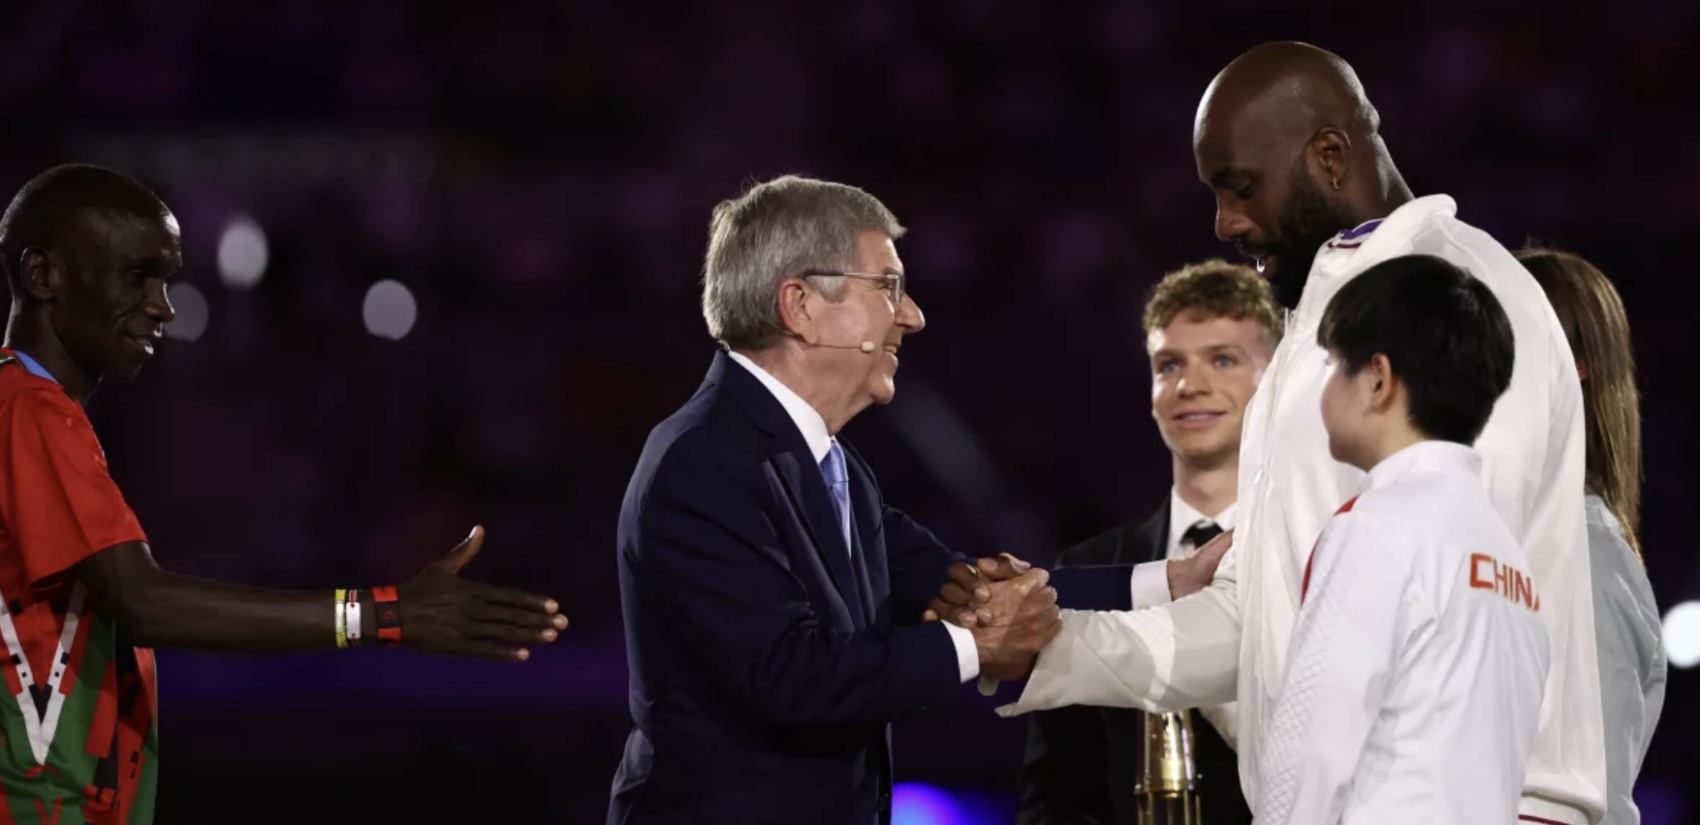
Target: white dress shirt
1413 684
1195 651
813 427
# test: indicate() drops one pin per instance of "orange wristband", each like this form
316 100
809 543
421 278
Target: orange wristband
388 606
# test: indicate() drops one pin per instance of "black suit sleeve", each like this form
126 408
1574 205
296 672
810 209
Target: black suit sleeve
1093 574
1097 587
1062 772
918 564
915 559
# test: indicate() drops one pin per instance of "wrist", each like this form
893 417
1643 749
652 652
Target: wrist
1011 671
339 601
988 646
386 618
367 617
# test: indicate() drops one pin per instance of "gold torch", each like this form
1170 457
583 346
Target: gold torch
1167 788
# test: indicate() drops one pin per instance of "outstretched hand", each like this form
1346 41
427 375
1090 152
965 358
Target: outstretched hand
443 613
963 596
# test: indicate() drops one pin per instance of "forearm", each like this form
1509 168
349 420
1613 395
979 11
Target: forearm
823 678
1094 587
1180 655
180 612
440 612
914 585
917 563
161 609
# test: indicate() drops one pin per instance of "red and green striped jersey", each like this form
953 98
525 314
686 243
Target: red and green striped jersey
78 739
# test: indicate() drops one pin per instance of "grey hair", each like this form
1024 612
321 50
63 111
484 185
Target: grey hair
774 231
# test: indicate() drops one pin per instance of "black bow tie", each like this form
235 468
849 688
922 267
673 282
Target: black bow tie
1201 533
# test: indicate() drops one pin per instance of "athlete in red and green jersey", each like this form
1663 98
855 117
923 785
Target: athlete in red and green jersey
88 253
77 723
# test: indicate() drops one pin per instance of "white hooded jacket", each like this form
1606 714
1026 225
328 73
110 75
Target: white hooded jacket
1196 651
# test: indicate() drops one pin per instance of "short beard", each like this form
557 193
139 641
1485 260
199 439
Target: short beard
1308 220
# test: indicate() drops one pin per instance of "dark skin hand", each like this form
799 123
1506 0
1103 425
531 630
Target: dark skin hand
1022 617
440 612
966 589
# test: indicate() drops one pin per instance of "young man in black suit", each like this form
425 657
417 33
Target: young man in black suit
1211 328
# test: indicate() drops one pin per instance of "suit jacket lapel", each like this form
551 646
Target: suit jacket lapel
804 482
807 487
1152 538
863 571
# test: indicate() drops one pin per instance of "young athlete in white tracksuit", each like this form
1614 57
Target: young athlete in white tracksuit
1412 691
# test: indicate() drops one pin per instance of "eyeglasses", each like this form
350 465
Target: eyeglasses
893 281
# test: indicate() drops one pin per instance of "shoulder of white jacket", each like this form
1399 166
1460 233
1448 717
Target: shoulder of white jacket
1406 508
1407 220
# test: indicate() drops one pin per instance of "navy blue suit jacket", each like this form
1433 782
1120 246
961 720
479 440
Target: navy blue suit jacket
766 658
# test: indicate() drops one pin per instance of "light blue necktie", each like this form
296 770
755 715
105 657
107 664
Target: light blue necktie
838 484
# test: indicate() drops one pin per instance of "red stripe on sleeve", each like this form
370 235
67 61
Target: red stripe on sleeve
1304 588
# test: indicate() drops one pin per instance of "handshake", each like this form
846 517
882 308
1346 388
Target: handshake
1012 611
1008 606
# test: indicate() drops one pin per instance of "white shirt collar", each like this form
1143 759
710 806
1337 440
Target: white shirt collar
1423 455
1182 516
808 420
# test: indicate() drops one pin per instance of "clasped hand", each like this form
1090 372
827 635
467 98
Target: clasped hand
1012 612
967 588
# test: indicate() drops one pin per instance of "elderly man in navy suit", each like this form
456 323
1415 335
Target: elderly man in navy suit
773 600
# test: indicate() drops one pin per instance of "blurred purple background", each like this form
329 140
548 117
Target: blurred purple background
536 179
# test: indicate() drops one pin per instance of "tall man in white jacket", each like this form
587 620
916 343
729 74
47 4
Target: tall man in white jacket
1288 142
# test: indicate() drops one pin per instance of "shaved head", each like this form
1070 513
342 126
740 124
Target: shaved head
1288 140
1292 88
49 212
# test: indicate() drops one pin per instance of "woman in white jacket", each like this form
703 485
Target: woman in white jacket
1626 620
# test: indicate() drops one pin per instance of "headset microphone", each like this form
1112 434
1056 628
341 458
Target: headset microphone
865 346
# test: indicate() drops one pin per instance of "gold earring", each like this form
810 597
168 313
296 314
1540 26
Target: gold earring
1336 184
